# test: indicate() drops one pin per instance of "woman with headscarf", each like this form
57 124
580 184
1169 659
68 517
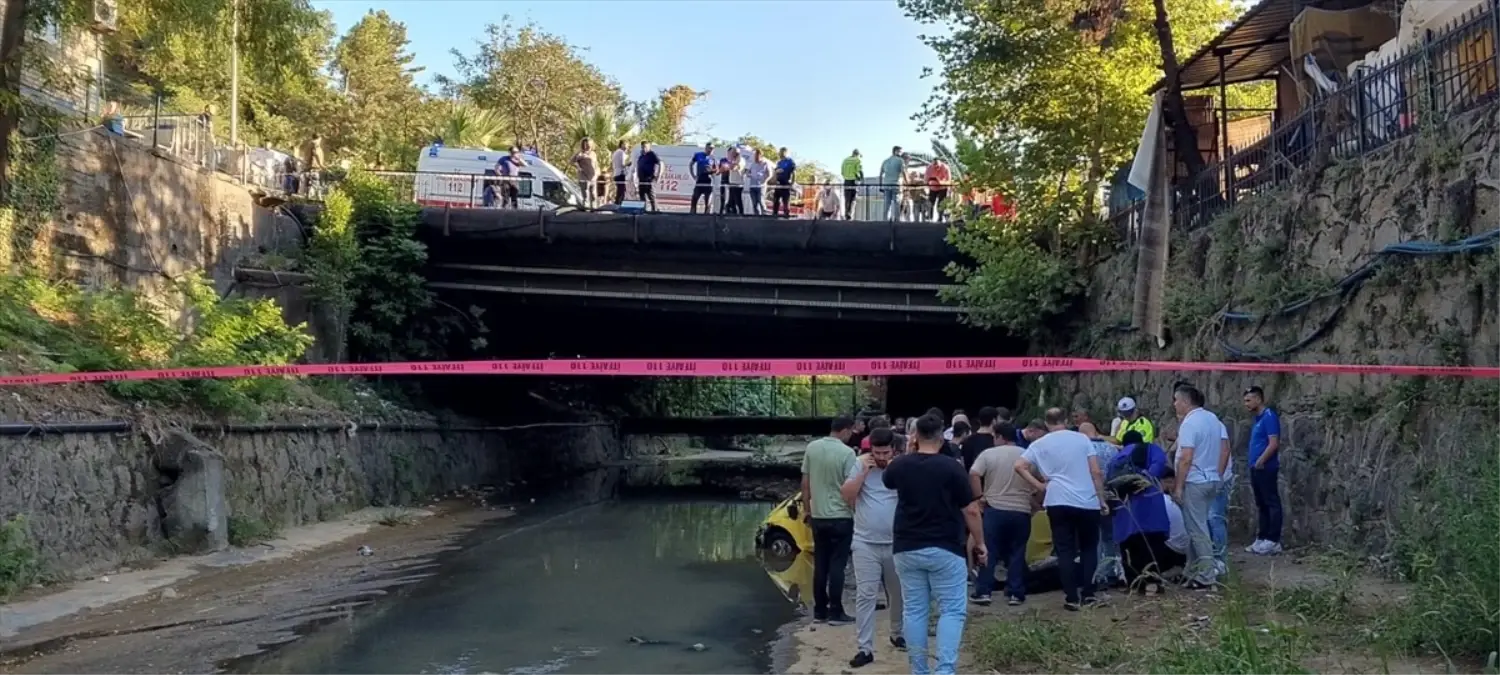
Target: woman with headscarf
1141 525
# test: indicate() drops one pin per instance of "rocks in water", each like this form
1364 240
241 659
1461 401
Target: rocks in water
366 551
698 647
168 594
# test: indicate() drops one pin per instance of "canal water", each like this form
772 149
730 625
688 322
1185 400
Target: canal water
632 586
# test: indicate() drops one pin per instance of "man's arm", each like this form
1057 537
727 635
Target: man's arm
1098 476
1184 464
806 488
1273 440
1224 454
1024 468
981 464
855 466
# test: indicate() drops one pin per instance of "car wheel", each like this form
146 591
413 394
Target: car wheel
779 543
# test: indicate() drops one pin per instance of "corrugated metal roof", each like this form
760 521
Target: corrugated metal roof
1253 46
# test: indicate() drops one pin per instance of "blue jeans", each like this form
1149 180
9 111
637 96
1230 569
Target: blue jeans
757 202
926 575
1218 520
892 203
1005 535
1109 555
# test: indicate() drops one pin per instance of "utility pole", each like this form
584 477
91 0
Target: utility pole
234 75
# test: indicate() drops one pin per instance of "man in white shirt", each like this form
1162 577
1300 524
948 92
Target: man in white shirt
829 203
1199 450
619 165
1074 489
757 172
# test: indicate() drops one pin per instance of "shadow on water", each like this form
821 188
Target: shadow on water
619 586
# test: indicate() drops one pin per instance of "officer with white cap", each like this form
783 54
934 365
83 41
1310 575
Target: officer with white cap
1131 419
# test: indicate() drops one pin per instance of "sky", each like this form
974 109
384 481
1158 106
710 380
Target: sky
821 77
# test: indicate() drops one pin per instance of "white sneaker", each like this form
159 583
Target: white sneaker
1255 547
1271 548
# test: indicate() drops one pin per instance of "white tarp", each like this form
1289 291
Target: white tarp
1140 169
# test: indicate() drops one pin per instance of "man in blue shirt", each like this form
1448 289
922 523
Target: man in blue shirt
647 170
781 197
1265 462
704 168
508 167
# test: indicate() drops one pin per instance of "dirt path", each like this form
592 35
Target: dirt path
198 621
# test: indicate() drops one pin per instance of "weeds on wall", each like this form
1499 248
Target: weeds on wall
60 327
19 564
35 186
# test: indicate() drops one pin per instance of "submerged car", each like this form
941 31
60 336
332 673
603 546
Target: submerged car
785 534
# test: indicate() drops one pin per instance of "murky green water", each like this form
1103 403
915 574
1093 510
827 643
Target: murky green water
567 594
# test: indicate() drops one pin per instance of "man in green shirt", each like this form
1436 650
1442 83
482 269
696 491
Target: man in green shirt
853 171
825 465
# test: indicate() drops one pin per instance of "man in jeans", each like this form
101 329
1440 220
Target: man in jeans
874 520
1074 499
825 466
1007 515
1265 463
935 512
892 175
1218 514
1198 479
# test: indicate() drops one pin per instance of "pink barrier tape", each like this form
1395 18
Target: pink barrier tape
745 368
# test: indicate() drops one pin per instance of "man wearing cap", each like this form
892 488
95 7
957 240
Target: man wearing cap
1131 419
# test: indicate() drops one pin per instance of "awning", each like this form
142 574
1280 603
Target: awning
1253 47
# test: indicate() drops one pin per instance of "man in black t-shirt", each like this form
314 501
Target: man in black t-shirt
936 511
982 439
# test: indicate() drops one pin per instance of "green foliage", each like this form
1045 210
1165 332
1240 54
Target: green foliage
383 102
1446 544
464 125
88 330
366 260
19 565
536 79
1049 97
249 531
605 126
1017 285
800 396
662 121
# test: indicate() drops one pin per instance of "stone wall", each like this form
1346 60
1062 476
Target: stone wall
1357 448
92 500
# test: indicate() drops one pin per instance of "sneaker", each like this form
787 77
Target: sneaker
1271 548
820 616
1255 547
1094 601
898 642
1220 569
1014 601
861 660
1070 606
980 598
840 619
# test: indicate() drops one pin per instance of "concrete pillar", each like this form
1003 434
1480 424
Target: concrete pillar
195 514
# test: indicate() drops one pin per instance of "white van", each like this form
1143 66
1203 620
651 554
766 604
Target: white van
455 177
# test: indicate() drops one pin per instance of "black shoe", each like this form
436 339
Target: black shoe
1070 606
979 598
820 616
840 619
880 605
1196 585
861 660
898 642
1093 601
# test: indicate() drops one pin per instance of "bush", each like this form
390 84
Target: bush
94 330
19 567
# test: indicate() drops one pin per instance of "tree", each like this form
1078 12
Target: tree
1051 95
606 126
23 18
461 124
662 120
385 124
807 172
536 79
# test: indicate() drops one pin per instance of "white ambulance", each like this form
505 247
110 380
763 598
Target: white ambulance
456 177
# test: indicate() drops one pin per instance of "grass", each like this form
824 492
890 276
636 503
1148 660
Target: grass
396 518
1047 645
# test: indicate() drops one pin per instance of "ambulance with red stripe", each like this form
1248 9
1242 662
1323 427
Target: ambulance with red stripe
456 177
674 185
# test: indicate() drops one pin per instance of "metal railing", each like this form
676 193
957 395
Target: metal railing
912 202
1450 72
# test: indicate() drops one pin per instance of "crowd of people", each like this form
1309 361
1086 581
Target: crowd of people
925 507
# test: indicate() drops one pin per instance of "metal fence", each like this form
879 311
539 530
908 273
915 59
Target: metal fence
864 200
1450 72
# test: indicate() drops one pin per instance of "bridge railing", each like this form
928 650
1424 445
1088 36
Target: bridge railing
865 200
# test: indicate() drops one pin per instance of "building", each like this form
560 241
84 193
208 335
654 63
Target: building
72 83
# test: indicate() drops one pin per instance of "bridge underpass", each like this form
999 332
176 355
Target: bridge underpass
606 285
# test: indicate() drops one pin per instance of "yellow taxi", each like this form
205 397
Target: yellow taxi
784 535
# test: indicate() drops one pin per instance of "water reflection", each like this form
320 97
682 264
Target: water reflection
566 595
793 576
